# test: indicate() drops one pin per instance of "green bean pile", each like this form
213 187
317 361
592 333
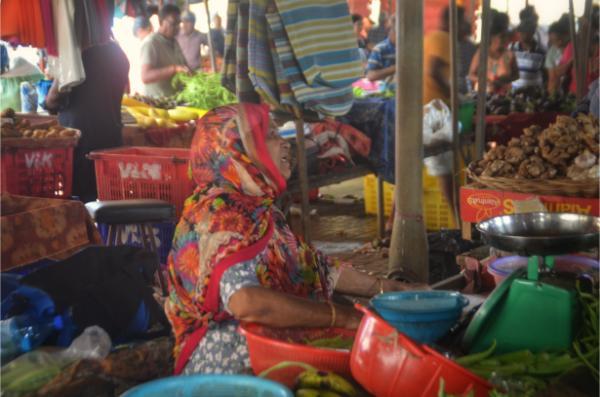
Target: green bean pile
531 372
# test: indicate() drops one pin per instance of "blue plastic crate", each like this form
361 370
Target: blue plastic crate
163 233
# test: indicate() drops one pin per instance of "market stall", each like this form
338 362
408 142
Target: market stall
490 342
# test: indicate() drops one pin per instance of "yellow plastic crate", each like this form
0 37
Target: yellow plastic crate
370 187
435 209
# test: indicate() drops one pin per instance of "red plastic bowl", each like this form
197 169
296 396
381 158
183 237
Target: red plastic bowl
389 364
270 346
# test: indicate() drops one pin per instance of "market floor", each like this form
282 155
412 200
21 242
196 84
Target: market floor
340 227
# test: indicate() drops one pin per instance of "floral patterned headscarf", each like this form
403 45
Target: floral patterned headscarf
230 219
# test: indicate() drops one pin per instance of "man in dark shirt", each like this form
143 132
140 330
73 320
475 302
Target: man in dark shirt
218 36
94 108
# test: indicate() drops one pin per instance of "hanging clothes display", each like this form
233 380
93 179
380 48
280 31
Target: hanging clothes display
286 95
68 67
92 21
297 57
21 22
260 64
320 98
48 22
323 41
235 62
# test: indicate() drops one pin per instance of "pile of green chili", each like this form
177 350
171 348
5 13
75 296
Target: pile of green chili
529 372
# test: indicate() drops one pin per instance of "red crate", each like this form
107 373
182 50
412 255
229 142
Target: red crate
143 172
37 172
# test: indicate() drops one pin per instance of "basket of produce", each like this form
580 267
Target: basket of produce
20 131
327 349
37 156
531 101
560 160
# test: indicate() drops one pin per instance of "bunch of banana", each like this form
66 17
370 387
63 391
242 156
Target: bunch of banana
150 117
182 114
147 116
314 383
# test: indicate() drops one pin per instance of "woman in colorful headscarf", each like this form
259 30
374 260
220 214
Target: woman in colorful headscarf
235 259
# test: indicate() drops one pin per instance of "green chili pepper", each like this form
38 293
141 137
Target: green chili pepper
466 361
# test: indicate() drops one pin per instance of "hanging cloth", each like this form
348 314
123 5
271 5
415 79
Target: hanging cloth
322 40
21 22
235 62
320 98
286 94
68 68
48 22
92 22
260 64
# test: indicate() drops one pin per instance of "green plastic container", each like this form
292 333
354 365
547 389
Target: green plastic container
466 111
530 315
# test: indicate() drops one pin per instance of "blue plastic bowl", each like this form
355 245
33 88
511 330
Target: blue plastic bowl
210 386
425 316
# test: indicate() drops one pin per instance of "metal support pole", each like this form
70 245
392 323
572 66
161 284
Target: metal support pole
409 257
211 48
303 178
482 80
576 59
454 58
380 209
586 37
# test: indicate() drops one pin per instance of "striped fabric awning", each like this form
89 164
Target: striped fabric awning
323 41
298 55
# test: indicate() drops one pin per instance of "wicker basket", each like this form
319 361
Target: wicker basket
547 187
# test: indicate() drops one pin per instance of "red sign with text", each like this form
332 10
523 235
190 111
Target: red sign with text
477 204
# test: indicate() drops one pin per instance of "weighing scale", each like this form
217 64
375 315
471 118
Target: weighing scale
533 308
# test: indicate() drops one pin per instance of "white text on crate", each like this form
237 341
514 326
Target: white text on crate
140 171
38 160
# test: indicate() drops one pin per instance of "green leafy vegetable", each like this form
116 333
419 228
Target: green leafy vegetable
201 90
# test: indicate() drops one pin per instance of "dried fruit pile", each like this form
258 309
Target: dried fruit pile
566 149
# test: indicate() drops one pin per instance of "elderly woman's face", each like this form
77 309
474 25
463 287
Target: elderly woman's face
279 149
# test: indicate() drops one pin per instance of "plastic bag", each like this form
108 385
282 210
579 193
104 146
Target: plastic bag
93 344
437 128
31 371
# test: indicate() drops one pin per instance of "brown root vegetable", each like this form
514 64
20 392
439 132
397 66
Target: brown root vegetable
515 155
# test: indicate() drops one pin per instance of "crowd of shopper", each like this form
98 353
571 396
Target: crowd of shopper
520 58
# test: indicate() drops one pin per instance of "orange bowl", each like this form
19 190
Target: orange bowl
270 346
388 363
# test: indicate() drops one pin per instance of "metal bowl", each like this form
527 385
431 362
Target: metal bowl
541 233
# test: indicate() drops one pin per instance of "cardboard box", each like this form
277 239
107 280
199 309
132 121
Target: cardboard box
478 204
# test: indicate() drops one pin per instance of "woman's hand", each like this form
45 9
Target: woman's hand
353 282
349 317
278 309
